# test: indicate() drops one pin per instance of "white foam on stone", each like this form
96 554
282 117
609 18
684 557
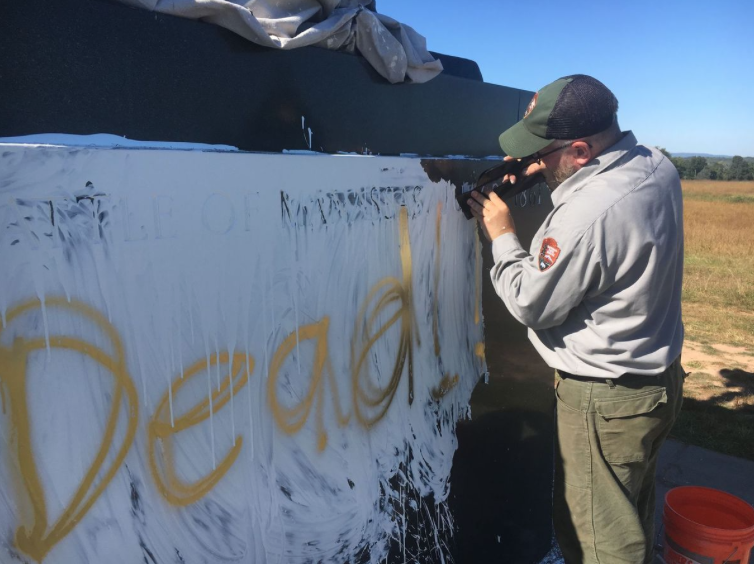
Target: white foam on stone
264 251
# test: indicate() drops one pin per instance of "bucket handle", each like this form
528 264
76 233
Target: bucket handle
662 527
731 555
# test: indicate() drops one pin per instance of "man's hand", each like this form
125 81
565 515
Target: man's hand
531 170
492 213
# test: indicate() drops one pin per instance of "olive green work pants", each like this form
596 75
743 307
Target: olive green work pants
608 440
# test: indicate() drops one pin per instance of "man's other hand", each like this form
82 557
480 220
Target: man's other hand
532 169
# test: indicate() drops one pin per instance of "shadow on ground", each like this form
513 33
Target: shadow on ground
718 412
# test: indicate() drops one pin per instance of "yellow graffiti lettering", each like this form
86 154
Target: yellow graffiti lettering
479 350
447 383
291 420
172 488
37 538
371 401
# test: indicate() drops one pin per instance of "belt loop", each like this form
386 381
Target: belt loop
610 382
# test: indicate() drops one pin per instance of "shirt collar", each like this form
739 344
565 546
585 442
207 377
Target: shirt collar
597 165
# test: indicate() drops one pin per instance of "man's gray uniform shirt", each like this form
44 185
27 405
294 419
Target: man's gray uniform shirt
600 289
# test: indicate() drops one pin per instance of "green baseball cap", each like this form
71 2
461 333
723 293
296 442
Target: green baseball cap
572 107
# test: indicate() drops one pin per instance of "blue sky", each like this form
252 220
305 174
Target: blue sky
683 71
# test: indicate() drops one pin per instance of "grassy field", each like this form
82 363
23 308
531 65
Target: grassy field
718 310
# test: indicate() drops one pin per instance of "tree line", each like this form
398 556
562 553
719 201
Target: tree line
701 168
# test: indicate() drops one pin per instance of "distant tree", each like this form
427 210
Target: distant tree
681 166
713 171
717 171
696 165
736 168
740 169
747 171
665 152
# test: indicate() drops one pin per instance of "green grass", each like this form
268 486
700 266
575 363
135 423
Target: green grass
719 280
727 198
711 325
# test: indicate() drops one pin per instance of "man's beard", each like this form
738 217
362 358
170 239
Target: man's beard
556 177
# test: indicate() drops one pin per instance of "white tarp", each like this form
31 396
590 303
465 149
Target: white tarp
395 50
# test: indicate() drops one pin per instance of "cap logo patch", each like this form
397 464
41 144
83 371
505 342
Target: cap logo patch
531 105
548 254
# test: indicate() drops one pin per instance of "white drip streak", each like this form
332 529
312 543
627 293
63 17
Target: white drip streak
217 356
44 323
169 375
211 422
294 296
139 361
248 393
298 351
209 395
191 319
266 333
180 338
63 285
230 391
403 525
437 540
170 401
272 300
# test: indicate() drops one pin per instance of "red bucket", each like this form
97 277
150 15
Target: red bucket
707 526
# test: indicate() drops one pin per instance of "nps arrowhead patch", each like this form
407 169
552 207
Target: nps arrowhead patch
548 253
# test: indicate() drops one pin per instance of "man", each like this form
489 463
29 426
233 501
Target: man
600 290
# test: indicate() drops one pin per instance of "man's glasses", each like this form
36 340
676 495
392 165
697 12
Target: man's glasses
537 157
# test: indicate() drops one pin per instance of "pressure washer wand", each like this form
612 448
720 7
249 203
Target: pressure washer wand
493 177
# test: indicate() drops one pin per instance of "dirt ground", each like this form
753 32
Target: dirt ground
716 357
720 373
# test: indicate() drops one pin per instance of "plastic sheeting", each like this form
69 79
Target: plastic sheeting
395 50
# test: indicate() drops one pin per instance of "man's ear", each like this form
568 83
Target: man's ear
584 152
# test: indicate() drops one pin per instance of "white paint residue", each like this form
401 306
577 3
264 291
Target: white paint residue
301 152
160 256
104 140
305 130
